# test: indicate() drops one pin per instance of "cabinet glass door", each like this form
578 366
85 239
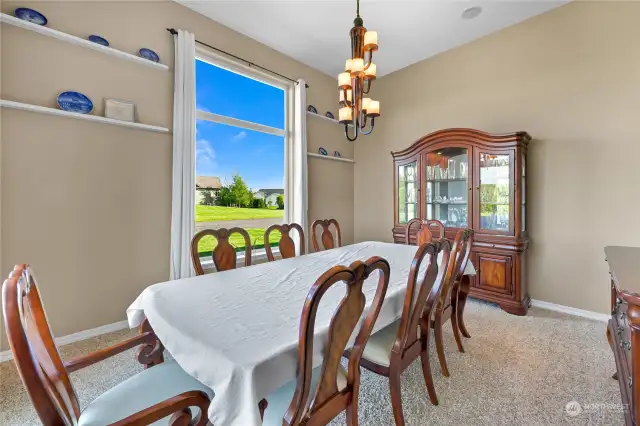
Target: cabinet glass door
407 192
495 191
447 195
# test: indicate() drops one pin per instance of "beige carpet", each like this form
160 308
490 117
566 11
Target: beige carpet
516 371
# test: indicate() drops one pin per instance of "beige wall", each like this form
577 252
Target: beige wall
87 204
571 78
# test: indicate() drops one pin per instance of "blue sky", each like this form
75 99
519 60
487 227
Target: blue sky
223 150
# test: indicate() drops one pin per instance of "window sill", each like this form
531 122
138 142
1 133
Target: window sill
257 256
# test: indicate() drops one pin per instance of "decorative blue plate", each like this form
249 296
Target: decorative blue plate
149 54
337 154
323 151
30 15
75 102
98 40
329 114
312 109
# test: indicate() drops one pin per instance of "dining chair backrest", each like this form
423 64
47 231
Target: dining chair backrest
328 242
425 232
460 252
419 287
319 405
34 350
286 245
224 254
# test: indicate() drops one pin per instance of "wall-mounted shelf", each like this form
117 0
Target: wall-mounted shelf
327 157
333 120
49 32
59 112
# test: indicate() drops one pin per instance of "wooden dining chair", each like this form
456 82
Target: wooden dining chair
449 306
224 254
328 242
394 348
286 245
425 232
319 395
163 393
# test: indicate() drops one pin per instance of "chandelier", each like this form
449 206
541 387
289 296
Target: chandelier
355 82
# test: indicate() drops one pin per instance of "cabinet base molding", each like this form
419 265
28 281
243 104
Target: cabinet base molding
514 307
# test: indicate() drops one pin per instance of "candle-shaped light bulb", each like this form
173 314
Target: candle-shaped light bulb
344 80
349 95
373 108
371 40
370 72
357 67
365 103
348 65
345 114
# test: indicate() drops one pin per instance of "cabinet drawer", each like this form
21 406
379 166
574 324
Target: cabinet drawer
494 272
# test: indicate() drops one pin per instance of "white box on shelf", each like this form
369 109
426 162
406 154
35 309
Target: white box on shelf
119 110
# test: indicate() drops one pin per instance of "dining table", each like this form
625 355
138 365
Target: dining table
237 331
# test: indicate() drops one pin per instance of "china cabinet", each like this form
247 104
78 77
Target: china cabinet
466 178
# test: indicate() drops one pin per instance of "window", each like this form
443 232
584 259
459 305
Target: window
241 144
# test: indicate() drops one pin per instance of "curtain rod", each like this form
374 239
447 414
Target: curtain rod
251 64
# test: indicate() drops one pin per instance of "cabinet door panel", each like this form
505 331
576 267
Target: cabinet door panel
407 191
494 273
446 182
494 192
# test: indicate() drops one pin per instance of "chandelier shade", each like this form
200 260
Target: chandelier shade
355 82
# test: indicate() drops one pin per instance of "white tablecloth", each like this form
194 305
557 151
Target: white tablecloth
237 331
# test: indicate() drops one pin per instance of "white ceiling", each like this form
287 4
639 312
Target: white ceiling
316 32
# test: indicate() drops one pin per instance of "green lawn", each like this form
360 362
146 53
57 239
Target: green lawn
207 244
214 213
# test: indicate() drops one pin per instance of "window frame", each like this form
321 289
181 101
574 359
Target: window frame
211 57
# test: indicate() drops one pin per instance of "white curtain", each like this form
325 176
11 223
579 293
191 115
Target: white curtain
184 155
296 202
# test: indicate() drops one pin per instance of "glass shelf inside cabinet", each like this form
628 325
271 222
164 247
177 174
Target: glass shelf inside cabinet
447 187
407 192
495 192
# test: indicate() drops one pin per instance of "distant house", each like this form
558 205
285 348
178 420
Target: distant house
269 195
207 185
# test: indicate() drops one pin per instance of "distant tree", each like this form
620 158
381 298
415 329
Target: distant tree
240 192
280 201
235 194
258 203
207 199
225 197
269 203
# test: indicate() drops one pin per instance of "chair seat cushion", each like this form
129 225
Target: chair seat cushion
141 391
378 348
280 399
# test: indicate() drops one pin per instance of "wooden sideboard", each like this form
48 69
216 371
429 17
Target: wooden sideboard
623 330
467 178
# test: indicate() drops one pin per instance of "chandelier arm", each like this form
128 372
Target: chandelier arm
366 67
367 87
371 129
355 134
346 101
363 118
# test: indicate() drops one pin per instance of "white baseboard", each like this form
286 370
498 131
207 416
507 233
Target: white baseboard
76 337
569 310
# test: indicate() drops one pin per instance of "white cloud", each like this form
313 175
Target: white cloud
241 135
205 154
